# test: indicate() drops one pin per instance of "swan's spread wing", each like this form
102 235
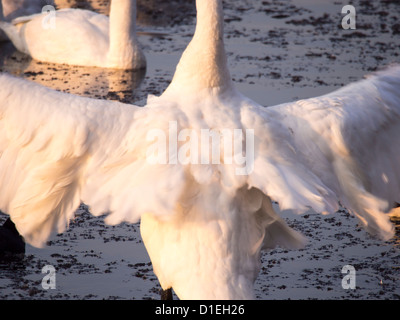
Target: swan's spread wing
16 8
343 147
122 179
57 150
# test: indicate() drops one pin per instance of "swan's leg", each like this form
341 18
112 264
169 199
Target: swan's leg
166 294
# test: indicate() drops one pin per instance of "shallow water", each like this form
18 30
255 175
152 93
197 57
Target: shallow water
278 51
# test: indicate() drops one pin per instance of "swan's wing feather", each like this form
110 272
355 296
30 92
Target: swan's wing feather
78 36
123 181
341 147
57 150
24 19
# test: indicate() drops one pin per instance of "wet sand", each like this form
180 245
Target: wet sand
278 51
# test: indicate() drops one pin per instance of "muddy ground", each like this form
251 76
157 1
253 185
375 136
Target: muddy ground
278 51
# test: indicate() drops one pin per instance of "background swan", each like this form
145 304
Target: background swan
11 9
204 238
81 37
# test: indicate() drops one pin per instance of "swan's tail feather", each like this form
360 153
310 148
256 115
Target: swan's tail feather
277 233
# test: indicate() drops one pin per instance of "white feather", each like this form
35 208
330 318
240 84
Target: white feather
81 37
348 140
11 9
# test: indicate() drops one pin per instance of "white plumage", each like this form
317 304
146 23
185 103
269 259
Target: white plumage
203 224
81 37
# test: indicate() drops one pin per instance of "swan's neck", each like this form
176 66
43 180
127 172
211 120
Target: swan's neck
204 63
124 49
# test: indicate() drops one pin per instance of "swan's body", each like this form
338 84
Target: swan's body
204 222
81 37
10 240
11 9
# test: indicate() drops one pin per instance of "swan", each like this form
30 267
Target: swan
10 9
205 208
81 37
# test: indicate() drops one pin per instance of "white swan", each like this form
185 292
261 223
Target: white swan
203 224
11 9
81 37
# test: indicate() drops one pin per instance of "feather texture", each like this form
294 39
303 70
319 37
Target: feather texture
348 140
205 216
